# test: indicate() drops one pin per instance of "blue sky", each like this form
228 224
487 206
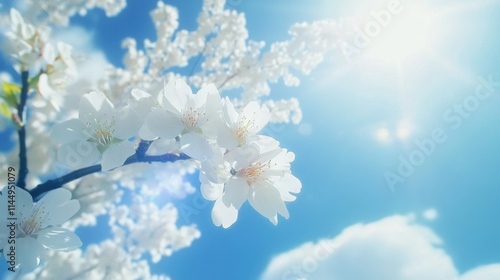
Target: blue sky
356 110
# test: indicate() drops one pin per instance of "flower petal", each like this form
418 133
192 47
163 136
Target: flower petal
48 92
141 101
223 215
116 154
24 203
65 51
128 123
61 239
259 115
176 94
68 131
196 146
267 201
288 184
16 17
213 101
29 253
49 54
211 191
78 154
243 156
58 205
164 125
95 105
236 192
226 138
198 100
230 114
146 134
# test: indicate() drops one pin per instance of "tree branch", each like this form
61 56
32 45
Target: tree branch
23 161
77 174
143 148
198 59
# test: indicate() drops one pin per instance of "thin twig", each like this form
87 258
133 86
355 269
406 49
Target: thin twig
228 79
198 59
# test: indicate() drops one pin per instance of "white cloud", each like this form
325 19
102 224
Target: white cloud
394 248
91 62
80 38
487 272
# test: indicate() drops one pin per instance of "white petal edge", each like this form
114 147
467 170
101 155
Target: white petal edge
236 192
96 105
61 239
24 203
196 146
176 93
116 154
287 185
211 191
223 215
29 253
267 201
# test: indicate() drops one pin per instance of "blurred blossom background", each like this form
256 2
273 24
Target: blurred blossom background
391 108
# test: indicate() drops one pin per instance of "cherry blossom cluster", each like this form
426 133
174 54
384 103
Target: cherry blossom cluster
237 163
105 260
156 127
60 11
224 55
54 66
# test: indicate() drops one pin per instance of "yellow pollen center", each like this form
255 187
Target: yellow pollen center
244 127
34 222
100 131
191 117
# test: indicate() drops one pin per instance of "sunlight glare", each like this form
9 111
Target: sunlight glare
383 134
404 130
409 33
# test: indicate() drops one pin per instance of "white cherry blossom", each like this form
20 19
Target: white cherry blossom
60 70
26 42
241 127
100 129
261 174
37 227
193 117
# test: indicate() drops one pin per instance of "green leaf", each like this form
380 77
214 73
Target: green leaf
10 93
4 110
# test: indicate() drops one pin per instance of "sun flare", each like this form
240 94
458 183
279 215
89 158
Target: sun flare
408 34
